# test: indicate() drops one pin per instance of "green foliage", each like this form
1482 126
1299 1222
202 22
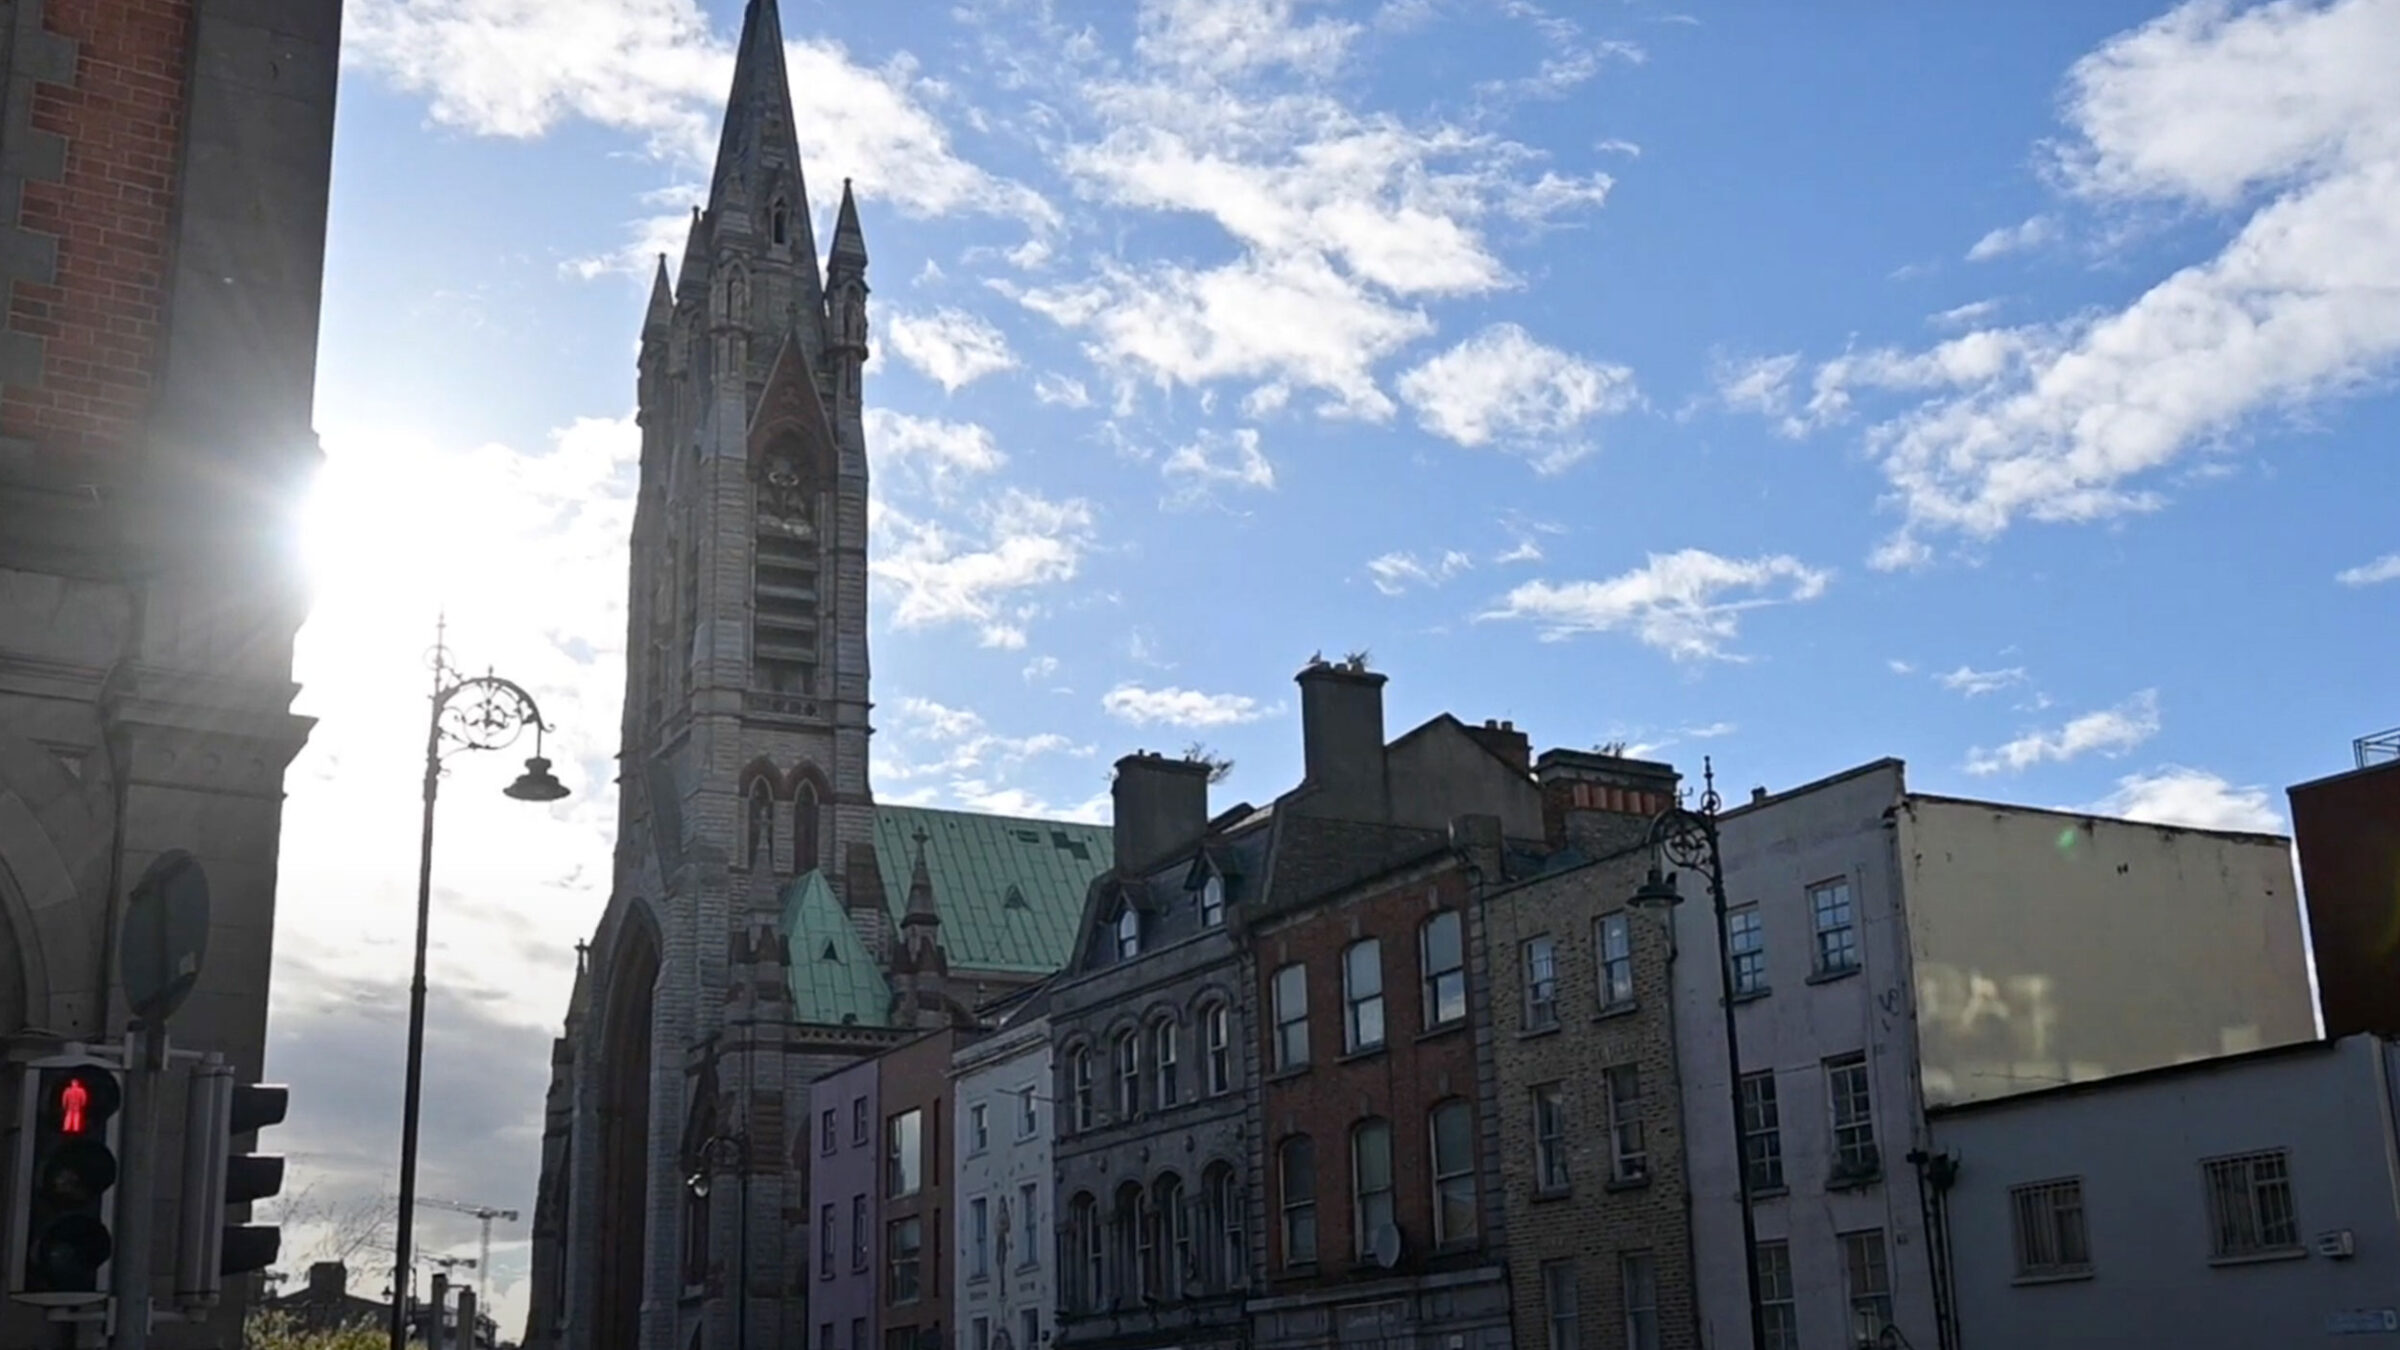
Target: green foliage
273 1329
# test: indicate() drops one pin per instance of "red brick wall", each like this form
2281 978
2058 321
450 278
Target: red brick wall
2348 832
1401 1083
110 211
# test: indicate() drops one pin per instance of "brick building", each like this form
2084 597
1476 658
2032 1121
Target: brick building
913 1086
163 175
1583 1052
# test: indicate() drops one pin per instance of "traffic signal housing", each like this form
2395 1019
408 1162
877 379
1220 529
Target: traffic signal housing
216 1175
62 1196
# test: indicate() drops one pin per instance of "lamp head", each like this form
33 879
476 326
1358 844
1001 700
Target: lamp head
1658 892
698 1182
537 783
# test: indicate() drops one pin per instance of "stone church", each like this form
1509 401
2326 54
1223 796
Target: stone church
768 921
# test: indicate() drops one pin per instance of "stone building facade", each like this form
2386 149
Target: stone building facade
768 920
163 177
1587 1097
1003 1292
1153 1077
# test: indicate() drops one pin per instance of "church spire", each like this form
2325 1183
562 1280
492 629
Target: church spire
662 303
757 152
849 245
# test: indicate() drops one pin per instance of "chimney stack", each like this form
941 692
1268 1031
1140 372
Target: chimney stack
1503 739
327 1281
1601 803
1341 732
1160 806
1757 795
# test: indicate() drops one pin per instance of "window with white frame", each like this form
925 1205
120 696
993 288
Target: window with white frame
1217 1024
904 1154
2250 1209
1558 1305
1541 983
1029 1198
1291 1016
1746 947
825 1133
1129 1076
1629 1159
1079 1076
1778 1307
1212 901
1638 1276
1224 1200
979 1237
2047 1217
1453 1172
1846 1088
1867 1270
858 1120
1129 933
1173 1218
1362 996
1164 1065
1441 959
979 1132
1296 1176
1087 1259
1836 927
1550 1138
1370 1182
905 1244
1029 1115
1762 1133
1612 941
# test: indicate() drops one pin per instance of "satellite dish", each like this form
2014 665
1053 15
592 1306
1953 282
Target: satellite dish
1383 1245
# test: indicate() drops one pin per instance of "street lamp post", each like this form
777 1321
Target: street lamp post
1689 838
472 712
718 1153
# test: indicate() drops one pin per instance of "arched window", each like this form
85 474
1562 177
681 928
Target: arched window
1212 901
1129 933
780 229
1221 1215
1163 1038
1216 1022
1086 1263
1370 1182
1079 1085
1296 1180
1453 1126
806 811
1441 958
1362 996
1126 1221
1173 1214
759 848
1129 1076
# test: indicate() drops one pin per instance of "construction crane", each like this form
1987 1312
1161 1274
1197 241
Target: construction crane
486 1213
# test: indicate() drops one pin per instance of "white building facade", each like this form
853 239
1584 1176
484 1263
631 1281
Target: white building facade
1894 950
2250 1201
1004 1278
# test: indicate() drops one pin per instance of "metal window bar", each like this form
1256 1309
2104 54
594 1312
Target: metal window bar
2050 1233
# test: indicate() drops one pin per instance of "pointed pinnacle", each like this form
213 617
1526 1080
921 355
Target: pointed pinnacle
662 300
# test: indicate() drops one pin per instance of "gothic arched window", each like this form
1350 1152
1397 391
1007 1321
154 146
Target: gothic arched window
759 847
780 232
805 847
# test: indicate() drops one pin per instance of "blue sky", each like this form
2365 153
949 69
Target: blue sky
2005 388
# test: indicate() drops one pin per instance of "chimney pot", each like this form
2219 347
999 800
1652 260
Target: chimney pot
1758 794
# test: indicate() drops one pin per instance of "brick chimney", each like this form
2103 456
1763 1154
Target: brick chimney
328 1281
1600 803
1341 732
1503 739
1160 805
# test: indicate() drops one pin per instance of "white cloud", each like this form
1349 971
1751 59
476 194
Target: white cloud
2195 798
1177 707
1964 316
1222 38
934 452
2031 233
1017 542
2383 569
1711 731
1394 573
2111 731
1217 460
1040 668
2283 118
1502 388
1900 667
1687 604
946 743
1975 683
953 348
1063 391
657 70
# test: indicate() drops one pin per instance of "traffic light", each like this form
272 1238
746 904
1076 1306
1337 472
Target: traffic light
62 1209
208 1248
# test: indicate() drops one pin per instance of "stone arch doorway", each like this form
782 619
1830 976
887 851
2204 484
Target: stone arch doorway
625 1135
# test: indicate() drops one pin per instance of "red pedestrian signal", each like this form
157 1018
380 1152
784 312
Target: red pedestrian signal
60 1222
73 1100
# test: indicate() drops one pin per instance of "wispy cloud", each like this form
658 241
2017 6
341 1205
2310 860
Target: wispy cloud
1503 389
953 348
1395 573
2383 569
2111 731
1687 604
2173 795
1975 683
2026 234
1016 543
1176 707
1216 460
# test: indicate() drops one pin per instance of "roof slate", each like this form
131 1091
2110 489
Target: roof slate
848 985
975 861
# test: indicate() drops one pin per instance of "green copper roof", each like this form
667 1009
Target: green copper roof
1010 891
834 979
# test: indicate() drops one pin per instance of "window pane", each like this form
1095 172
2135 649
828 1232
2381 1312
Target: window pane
1375 1157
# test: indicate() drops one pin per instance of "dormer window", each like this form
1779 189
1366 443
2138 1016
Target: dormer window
1212 901
1129 933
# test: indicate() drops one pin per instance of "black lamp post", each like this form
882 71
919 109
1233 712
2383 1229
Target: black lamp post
1688 838
473 712
719 1153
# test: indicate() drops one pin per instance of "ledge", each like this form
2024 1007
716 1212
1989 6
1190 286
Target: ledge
1770 1193
1285 1075
1753 995
2261 1258
1531 1032
1450 1028
1616 1010
1829 976
1374 1051
1639 1183
1858 1181
2053 1277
